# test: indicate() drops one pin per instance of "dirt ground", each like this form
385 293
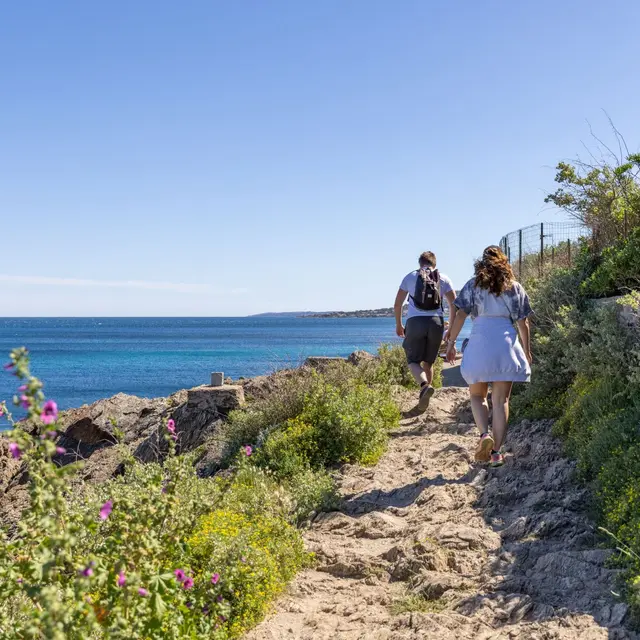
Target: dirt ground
429 544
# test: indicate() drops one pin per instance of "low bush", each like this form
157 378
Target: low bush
157 553
162 553
618 271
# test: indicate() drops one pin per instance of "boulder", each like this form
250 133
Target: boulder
91 432
358 358
321 362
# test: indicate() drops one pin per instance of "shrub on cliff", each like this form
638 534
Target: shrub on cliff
618 271
156 554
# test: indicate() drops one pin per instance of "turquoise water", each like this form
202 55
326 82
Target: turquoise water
82 360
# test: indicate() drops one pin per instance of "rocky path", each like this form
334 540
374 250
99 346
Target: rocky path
430 545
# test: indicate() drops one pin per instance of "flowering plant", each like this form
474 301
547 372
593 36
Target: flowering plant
124 559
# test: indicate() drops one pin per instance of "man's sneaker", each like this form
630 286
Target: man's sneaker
483 450
426 394
497 459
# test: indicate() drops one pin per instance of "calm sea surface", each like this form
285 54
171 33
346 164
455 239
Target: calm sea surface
82 360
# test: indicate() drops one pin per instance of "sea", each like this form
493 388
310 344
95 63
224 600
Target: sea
81 360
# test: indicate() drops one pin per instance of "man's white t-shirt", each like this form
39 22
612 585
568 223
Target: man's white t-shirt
409 285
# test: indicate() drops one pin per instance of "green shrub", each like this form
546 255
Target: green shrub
350 425
254 557
158 553
618 271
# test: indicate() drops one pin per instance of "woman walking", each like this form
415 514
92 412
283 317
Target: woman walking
494 355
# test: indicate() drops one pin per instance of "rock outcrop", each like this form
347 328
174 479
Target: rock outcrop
92 432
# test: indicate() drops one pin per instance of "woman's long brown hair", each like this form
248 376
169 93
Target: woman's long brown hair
493 271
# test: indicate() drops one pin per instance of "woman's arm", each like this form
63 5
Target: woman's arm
454 332
524 330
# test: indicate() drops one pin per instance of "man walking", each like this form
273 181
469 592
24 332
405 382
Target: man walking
427 288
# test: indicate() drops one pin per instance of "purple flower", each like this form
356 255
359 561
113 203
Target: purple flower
1 411
188 583
49 412
243 559
179 574
24 402
15 451
61 451
106 509
143 592
121 580
205 611
22 388
171 426
19 580
52 435
215 578
219 598
174 436
88 572
8 366
189 605
248 450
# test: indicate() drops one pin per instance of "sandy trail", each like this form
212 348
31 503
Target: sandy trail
428 544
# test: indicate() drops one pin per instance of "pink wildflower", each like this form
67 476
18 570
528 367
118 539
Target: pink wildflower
121 580
171 426
106 510
215 578
248 450
188 583
22 388
49 412
88 572
61 451
24 402
52 435
143 592
1 410
8 366
179 574
15 450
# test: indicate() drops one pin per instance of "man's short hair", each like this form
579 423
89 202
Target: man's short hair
427 259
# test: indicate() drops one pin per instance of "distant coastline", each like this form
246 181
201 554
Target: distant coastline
387 312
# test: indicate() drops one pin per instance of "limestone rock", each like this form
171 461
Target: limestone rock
358 358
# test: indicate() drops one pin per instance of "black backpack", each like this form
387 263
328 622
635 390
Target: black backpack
426 297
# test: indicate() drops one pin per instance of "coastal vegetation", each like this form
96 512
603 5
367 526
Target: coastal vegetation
160 551
586 343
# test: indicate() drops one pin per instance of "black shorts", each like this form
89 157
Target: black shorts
423 338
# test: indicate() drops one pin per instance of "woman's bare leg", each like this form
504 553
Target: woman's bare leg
500 393
478 393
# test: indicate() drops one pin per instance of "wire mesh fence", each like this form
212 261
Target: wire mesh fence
535 250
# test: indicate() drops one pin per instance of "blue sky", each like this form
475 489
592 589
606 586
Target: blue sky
225 158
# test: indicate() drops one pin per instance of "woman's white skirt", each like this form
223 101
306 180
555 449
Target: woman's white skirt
494 353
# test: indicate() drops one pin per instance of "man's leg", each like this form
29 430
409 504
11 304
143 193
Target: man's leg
419 373
427 369
415 337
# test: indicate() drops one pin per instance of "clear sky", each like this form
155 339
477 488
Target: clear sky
211 157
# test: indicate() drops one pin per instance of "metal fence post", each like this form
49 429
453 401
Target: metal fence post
569 251
541 248
520 253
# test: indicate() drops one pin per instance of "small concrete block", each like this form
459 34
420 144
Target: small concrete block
217 379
